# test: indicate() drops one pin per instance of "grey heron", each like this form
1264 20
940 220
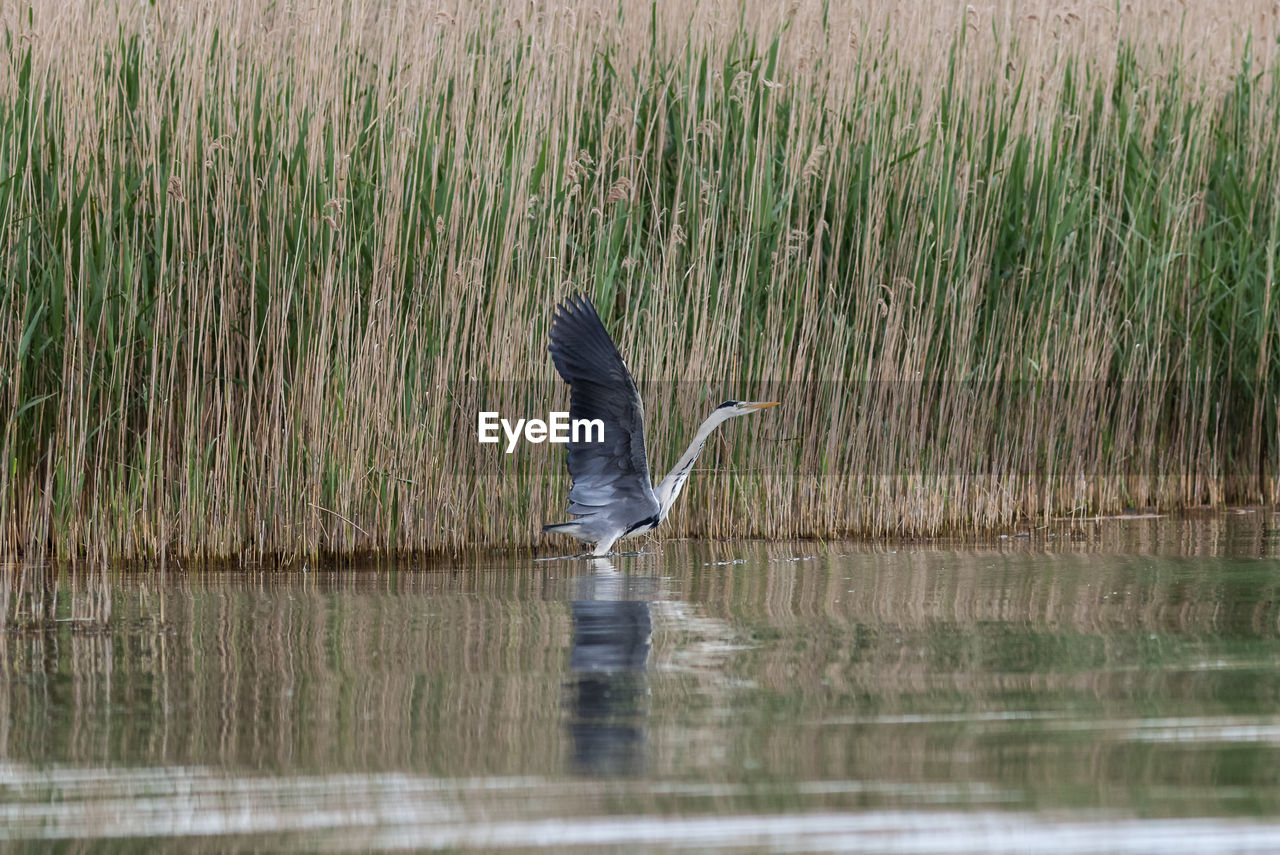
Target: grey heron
611 495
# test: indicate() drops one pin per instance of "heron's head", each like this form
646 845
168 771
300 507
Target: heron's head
742 408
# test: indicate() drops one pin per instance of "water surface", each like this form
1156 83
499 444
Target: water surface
1114 687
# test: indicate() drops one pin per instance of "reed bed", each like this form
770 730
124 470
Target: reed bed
266 262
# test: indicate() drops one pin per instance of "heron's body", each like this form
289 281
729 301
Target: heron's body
611 494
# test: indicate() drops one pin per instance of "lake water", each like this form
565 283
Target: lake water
1114 687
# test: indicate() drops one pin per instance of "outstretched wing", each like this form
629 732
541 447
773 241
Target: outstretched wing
612 475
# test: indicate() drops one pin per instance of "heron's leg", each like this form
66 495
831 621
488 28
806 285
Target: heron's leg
602 548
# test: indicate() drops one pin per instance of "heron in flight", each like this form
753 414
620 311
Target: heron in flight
611 494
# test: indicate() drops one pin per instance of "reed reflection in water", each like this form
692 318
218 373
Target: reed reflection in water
1126 676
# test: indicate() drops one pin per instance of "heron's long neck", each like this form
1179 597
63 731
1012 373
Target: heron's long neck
667 491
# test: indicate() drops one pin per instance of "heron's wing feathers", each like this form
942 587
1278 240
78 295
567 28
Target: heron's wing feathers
614 473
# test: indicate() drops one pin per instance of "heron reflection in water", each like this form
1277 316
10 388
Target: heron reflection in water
609 691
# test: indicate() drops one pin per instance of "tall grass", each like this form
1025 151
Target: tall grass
265 264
